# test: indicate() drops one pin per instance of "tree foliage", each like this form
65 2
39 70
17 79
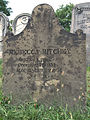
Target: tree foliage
64 13
4 8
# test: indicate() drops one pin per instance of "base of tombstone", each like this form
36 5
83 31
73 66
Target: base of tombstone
53 97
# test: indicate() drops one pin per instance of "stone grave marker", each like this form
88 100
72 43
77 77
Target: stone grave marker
45 63
81 20
3 29
20 23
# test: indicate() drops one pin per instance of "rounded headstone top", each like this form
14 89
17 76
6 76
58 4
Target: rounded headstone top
43 10
4 23
4 16
83 6
20 15
87 4
20 22
41 7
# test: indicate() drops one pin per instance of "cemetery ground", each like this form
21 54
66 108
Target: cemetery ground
33 111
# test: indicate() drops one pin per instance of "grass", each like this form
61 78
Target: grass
33 111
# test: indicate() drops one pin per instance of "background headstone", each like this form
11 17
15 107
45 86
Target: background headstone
44 62
81 20
3 29
20 23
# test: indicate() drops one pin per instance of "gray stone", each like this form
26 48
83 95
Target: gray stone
45 63
3 25
20 23
3 29
81 20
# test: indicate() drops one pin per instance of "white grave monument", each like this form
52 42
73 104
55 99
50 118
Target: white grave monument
81 20
4 21
20 23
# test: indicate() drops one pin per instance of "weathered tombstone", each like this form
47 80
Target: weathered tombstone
81 20
45 63
20 22
3 28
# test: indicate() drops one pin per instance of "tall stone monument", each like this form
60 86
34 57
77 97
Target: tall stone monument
81 20
45 63
3 29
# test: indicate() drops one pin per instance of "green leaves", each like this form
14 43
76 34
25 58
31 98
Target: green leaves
64 13
4 8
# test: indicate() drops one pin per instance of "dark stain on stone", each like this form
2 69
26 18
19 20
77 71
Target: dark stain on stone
70 63
9 34
41 9
12 38
45 14
41 41
59 85
78 69
38 15
52 89
32 93
50 26
41 87
62 40
32 85
22 87
33 12
80 35
11 63
68 88
20 78
16 82
70 72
